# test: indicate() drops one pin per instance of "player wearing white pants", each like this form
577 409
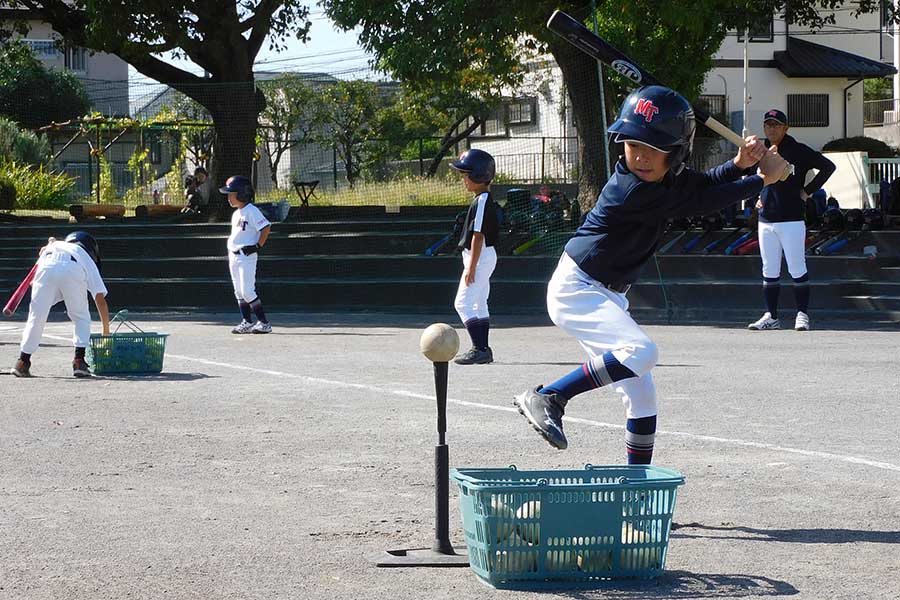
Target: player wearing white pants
66 272
243 275
480 231
586 295
249 233
472 300
782 227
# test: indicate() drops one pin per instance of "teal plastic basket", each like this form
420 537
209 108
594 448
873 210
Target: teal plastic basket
137 351
545 529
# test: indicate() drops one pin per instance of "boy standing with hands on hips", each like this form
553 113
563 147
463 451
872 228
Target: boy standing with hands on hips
479 236
249 232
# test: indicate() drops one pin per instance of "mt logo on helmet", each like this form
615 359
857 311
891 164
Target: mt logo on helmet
646 109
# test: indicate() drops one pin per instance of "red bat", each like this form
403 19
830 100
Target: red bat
17 295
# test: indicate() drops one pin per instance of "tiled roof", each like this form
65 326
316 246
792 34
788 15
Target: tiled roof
806 59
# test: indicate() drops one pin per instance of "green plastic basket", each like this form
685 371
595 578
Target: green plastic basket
544 529
138 351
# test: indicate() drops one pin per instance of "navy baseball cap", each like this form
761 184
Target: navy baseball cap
775 115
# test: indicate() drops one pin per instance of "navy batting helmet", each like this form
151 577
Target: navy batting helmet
873 219
658 117
833 218
854 218
87 243
477 164
241 185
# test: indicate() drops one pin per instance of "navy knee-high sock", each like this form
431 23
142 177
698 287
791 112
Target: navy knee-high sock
485 325
257 307
245 311
639 437
771 287
473 327
602 370
801 292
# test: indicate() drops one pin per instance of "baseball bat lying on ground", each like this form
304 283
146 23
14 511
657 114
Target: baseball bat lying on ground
596 47
17 295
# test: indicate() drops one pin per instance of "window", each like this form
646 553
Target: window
76 59
494 124
43 49
714 104
760 32
521 111
807 110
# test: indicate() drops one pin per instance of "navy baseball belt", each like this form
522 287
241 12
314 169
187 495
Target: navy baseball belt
619 288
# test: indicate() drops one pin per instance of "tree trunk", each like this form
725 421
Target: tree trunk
583 86
235 112
449 140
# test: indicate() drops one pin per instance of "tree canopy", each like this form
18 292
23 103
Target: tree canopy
222 37
33 95
454 42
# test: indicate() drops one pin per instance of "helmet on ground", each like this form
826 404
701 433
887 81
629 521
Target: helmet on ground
241 185
87 243
477 164
660 118
833 218
854 218
873 219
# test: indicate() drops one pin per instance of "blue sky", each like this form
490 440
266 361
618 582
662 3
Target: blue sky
328 51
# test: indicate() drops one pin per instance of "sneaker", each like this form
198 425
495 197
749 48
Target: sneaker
545 413
475 357
765 322
22 369
261 327
80 368
243 327
802 322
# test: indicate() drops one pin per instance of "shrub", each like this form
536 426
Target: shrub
22 145
874 148
37 188
7 194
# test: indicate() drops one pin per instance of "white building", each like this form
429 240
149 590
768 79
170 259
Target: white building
105 76
815 78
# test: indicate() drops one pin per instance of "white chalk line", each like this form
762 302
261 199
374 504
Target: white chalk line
599 424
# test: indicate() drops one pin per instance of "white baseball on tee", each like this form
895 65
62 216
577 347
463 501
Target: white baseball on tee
246 223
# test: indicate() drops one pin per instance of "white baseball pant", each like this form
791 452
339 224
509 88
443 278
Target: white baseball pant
788 237
598 318
472 300
243 275
59 278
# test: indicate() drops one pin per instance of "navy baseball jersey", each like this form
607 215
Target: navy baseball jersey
480 218
622 231
781 200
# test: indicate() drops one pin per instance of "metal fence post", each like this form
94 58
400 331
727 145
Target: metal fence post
334 165
543 154
421 166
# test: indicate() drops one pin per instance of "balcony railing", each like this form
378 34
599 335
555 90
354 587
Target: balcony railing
877 113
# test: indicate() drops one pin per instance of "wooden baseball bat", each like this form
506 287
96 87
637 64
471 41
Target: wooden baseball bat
17 295
574 32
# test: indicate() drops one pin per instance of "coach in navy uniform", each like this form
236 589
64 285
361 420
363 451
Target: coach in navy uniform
782 228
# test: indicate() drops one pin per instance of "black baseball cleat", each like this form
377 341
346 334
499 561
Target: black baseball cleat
474 356
22 369
80 368
545 413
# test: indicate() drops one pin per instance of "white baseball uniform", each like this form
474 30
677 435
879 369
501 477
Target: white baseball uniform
598 318
65 273
246 224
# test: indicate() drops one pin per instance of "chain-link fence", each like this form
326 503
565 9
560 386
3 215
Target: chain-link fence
320 148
